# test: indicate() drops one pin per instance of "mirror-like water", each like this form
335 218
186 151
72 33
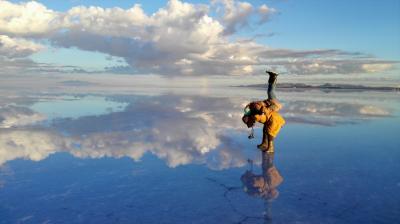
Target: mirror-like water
180 158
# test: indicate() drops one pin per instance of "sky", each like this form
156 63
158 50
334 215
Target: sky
200 38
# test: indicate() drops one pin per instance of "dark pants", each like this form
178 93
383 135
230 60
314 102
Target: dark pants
271 91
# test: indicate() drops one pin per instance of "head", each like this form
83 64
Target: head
249 120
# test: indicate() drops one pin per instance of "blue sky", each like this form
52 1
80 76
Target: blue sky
368 27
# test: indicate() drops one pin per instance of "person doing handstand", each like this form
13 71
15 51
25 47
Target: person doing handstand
266 112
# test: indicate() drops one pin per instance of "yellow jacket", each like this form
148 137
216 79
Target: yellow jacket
273 120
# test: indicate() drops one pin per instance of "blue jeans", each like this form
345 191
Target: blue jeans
271 90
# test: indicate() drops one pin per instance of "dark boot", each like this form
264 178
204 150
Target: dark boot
264 144
272 77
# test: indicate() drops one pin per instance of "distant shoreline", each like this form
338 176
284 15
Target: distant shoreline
326 86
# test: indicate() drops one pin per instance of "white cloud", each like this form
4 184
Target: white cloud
178 39
265 13
330 63
371 110
107 21
17 47
156 43
235 14
377 67
27 19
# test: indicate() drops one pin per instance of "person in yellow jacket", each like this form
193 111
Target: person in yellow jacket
266 112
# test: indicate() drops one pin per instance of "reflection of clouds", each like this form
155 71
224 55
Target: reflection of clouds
13 116
38 144
28 144
327 113
160 115
337 109
217 153
177 129
373 111
155 125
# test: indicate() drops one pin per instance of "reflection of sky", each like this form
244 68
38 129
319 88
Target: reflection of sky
179 129
74 107
338 154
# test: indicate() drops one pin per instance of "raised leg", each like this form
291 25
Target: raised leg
272 84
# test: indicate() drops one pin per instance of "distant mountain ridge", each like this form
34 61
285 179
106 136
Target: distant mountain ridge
326 86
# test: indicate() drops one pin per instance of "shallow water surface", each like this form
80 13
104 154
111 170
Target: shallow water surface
181 158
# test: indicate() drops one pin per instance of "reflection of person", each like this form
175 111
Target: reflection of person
266 112
264 185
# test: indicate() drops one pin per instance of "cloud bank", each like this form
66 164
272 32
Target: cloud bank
177 129
178 39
